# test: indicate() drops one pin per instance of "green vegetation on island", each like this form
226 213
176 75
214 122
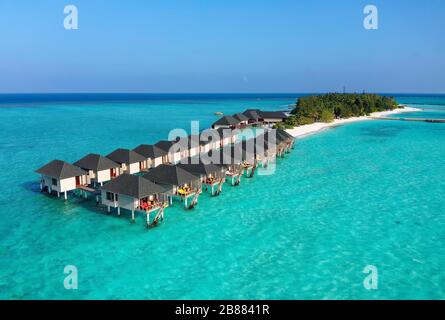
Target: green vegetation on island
327 107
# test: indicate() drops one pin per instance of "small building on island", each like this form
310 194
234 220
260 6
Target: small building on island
129 160
61 177
100 169
273 117
226 122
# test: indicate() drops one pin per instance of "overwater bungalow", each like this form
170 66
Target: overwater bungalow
280 138
244 152
179 183
243 119
193 145
100 169
265 151
61 177
253 115
212 176
173 150
290 139
154 156
135 193
227 122
256 151
129 161
282 143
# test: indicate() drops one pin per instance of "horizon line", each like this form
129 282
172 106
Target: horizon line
215 93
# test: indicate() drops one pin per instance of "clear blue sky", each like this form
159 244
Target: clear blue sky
222 46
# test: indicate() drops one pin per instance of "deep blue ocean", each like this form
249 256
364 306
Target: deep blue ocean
366 193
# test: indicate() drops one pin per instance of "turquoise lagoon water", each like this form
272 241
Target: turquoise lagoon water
369 193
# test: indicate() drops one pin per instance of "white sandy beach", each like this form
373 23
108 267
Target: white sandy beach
308 129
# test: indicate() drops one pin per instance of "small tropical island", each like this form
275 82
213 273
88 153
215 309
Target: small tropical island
331 106
314 113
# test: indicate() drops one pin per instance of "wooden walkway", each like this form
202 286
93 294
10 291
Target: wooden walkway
410 119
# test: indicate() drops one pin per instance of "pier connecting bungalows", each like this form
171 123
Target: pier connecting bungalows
178 183
130 161
153 155
135 193
100 169
61 177
211 175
